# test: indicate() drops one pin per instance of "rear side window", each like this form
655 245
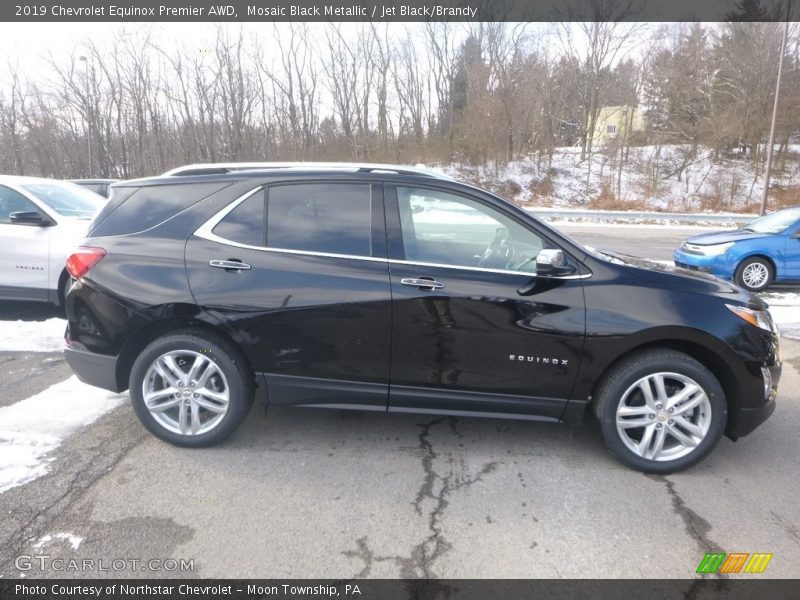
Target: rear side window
245 223
322 217
149 206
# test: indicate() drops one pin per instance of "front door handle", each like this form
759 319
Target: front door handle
423 283
229 265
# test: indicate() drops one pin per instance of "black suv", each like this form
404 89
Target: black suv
386 288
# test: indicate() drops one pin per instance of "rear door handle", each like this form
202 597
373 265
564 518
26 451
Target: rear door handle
423 283
229 265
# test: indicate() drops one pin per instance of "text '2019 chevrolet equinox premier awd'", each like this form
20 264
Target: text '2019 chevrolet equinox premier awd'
394 289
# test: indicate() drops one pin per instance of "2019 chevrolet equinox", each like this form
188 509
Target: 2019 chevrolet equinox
387 288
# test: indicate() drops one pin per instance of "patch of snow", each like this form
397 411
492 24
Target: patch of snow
74 540
32 336
32 428
785 309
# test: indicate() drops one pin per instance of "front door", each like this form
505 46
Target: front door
474 329
298 273
24 263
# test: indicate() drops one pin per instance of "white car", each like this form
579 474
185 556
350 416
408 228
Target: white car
41 222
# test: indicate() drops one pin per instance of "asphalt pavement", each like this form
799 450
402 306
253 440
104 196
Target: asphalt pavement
303 492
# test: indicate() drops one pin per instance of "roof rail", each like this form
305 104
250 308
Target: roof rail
219 168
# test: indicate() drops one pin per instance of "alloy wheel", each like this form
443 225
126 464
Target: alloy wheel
755 275
186 392
663 416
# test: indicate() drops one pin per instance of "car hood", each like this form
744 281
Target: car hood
676 278
723 237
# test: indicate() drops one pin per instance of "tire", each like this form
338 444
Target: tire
755 274
195 414
621 399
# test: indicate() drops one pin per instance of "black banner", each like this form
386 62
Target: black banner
392 10
384 589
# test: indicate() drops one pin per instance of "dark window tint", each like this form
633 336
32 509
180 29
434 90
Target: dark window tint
149 206
245 223
11 201
324 217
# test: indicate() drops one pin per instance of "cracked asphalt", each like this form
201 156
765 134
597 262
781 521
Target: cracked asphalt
330 494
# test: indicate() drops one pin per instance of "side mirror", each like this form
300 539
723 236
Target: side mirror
30 217
550 262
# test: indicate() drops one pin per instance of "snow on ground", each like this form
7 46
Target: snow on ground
785 309
32 336
32 428
74 540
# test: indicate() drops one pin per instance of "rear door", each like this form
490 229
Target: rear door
298 272
474 327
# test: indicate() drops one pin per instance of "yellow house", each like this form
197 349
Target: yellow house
613 121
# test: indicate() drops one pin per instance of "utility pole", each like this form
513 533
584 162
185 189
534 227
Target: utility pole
770 144
85 62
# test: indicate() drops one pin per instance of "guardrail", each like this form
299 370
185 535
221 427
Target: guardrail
637 216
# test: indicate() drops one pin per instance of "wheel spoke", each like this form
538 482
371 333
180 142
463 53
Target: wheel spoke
200 362
166 367
661 389
212 406
634 411
694 430
162 406
219 397
157 394
647 436
183 418
682 438
209 371
647 392
682 395
658 443
690 405
631 423
194 409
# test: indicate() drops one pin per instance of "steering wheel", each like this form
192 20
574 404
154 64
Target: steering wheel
500 252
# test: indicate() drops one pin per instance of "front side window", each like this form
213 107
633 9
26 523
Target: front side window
444 228
12 201
333 218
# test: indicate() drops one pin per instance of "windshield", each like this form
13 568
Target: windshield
67 199
776 222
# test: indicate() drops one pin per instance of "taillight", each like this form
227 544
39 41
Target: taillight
82 260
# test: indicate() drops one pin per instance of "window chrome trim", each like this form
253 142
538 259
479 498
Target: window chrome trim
205 231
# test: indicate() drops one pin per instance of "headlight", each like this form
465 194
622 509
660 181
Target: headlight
712 250
757 318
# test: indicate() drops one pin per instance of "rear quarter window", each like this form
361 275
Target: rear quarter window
148 206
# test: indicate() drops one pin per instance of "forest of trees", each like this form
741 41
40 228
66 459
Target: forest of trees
437 93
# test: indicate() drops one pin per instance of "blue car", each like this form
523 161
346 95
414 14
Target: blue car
766 251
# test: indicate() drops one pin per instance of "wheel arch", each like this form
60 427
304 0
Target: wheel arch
165 325
701 352
757 254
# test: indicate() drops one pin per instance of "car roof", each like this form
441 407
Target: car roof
317 167
92 180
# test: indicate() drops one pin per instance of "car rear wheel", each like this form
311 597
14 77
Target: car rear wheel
191 389
661 411
755 274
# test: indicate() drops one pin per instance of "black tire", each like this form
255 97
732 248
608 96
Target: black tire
761 265
611 393
238 379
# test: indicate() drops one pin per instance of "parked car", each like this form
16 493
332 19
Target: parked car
764 252
41 223
329 287
98 186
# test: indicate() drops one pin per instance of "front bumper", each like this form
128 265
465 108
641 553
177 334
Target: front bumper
92 368
720 265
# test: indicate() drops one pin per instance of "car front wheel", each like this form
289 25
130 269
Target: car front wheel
191 388
661 411
754 274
